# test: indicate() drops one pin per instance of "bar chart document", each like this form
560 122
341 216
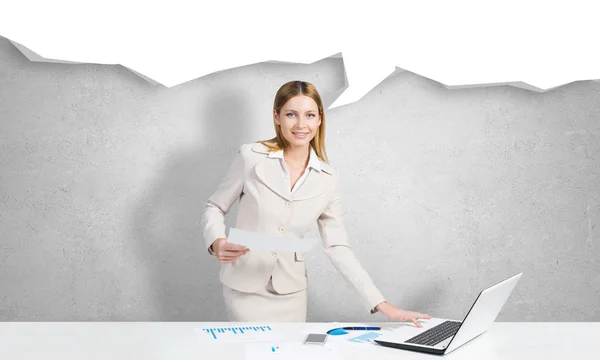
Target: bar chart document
239 334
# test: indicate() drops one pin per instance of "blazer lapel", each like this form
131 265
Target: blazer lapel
270 173
313 186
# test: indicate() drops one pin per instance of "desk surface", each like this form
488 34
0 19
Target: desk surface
179 340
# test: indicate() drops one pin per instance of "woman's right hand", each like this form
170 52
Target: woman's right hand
226 252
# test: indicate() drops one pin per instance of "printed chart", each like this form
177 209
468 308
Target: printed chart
239 333
364 338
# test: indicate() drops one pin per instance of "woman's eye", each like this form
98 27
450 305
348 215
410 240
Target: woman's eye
311 115
290 114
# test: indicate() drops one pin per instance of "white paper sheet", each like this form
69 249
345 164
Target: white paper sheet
259 242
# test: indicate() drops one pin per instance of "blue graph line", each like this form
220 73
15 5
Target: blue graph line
239 330
365 337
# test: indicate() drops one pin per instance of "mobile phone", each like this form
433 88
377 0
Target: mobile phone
315 339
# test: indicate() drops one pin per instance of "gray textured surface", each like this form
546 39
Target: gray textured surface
103 176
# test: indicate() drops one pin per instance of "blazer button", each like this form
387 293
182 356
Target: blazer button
287 204
274 253
281 229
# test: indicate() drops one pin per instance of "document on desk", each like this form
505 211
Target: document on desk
259 242
246 333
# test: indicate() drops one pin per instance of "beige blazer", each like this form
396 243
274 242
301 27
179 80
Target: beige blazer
266 206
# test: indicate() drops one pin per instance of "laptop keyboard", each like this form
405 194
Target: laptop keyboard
436 334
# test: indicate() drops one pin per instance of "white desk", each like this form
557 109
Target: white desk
154 340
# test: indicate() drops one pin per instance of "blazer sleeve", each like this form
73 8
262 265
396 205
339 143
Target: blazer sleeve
218 204
337 248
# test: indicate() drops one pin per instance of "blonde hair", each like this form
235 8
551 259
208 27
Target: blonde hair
283 95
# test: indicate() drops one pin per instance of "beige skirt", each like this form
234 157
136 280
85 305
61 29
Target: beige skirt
266 305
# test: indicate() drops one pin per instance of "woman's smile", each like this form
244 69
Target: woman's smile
300 134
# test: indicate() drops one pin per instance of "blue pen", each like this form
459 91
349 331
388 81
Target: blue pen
340 331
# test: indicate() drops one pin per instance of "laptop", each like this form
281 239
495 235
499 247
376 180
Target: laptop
442 336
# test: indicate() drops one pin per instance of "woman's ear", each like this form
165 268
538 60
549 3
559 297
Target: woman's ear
276 117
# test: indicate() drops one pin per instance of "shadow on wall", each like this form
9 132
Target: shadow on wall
183 278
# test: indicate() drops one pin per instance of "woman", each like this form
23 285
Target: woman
284 185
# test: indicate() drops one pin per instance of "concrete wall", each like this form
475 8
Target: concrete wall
103 177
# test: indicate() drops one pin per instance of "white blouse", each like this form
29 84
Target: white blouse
313 162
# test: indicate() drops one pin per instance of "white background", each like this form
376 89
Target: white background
542 43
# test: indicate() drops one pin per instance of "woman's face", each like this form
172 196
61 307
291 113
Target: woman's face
299 120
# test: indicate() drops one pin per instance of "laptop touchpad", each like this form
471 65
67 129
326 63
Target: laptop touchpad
405 331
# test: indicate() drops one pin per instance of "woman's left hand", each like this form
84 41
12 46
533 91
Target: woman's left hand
394 313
